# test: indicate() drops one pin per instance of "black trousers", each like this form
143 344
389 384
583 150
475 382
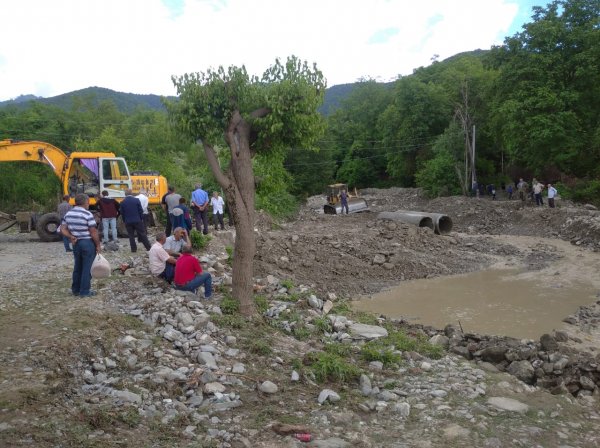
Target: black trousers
201 216
140 229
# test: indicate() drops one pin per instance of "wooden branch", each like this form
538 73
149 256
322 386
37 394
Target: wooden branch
213 162
261 112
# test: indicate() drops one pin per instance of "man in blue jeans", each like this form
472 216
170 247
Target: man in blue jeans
189 275
80 227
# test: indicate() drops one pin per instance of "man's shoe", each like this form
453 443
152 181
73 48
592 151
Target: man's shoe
68 250
89 294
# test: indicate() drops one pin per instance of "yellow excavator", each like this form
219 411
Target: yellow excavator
334 200
79 172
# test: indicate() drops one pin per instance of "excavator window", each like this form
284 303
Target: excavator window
83 177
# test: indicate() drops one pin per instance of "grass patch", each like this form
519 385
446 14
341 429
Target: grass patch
341 308
287 284
382 349
229 250
235 321
323 324
364 318
258 347
261 302
376 353
199 240
229 305
301 332
331 367
342 350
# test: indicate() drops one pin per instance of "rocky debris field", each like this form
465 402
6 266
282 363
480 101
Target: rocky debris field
143 365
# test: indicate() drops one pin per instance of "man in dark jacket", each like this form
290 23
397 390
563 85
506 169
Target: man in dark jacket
109 211
133 217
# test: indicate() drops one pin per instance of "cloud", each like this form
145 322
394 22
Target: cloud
137 45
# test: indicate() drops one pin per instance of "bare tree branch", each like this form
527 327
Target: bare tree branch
213 162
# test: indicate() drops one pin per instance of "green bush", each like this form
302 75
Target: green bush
437 176
262 304
229 251
373 352
199 240
582 191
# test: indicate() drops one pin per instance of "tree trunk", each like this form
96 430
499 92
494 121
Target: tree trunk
238 184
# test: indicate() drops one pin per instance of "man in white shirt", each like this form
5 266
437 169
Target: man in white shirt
217 204
161 263
537 192
176 242
144 201
552 192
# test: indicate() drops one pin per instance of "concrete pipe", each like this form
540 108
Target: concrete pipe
409 218
438 222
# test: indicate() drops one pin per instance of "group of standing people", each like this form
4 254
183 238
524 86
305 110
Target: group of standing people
535 192
178 214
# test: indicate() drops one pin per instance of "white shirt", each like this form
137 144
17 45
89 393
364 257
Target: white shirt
552 192
537 188
158 258
173 245
144 200
217 205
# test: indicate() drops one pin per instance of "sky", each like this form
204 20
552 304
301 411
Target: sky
51 47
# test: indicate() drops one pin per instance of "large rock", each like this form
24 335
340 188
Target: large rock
268 387
493 354
522 370
364 331
508 404
440 340
548 343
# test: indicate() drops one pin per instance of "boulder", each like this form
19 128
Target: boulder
364 331
522 370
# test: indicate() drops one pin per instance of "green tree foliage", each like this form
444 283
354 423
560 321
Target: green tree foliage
546 109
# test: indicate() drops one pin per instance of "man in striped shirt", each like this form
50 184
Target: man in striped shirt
80 227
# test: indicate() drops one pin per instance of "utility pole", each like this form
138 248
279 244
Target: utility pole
473 173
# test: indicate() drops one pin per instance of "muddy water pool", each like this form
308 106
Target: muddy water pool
496 301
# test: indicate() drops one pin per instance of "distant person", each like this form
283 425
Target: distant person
161 263
493 192
176 242
509 191
80 227
142 196
538 187
552 192
344 201
109 212
133 217
199 204
62 210
522 189
217 204
163 203
171 201
189 275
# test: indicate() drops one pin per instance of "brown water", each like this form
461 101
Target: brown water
497 301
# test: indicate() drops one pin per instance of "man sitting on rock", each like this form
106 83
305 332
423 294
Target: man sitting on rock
176 242
161 263
189 275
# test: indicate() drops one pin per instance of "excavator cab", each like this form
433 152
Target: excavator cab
334 203
92 175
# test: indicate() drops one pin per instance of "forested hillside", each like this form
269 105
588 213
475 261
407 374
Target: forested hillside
533 103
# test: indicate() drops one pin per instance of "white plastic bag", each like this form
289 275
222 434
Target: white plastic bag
100 267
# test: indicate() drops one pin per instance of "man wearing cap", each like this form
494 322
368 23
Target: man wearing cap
200 207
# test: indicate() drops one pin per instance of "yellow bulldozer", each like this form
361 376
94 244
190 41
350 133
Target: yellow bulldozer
334 200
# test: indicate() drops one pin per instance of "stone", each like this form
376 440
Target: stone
127 396
207 359
295 376
403 409
440 340
214 387
364 331
454 431
522 370
376 365
172 335
508 404
365 385
438 393
488 367
493 354
185 318
268 387
548 343
327 306
379 259
425 366
238 367
314 302
587 383
328 395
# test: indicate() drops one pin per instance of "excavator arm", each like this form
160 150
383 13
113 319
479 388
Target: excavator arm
34 151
